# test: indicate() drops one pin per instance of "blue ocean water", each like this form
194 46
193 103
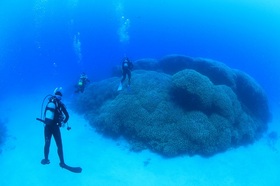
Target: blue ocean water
55 41
48 43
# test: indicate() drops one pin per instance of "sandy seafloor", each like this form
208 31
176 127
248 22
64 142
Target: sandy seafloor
108 162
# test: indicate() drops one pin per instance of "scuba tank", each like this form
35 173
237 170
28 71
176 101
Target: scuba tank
80 83
53 112
51 107
50 111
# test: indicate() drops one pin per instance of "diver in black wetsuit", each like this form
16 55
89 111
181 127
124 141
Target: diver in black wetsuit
83 81
127 67
56 115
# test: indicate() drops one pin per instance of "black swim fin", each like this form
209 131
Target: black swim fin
72 169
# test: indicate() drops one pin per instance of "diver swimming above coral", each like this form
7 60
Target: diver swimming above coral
83 81
127 67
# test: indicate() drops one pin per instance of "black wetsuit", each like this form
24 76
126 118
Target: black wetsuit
52 128
126 70
82 84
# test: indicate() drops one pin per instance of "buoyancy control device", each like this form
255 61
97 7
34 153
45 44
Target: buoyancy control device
52 110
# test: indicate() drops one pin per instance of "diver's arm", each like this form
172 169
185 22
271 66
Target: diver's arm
65 112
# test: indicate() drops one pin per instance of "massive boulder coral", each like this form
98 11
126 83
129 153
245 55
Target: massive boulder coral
195 107
193 88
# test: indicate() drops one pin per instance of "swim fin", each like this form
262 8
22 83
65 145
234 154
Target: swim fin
120 87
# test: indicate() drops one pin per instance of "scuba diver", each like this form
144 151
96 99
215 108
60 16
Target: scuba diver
127 67
83 81
55 116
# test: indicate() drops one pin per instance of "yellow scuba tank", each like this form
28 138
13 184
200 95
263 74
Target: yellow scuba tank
80 83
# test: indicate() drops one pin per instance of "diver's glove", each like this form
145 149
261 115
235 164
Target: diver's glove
63 124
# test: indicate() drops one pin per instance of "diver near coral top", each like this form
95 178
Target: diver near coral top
127 67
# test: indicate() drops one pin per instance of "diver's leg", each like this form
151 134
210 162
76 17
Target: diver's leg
58 141
48 136
124 76
129 77
122 80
